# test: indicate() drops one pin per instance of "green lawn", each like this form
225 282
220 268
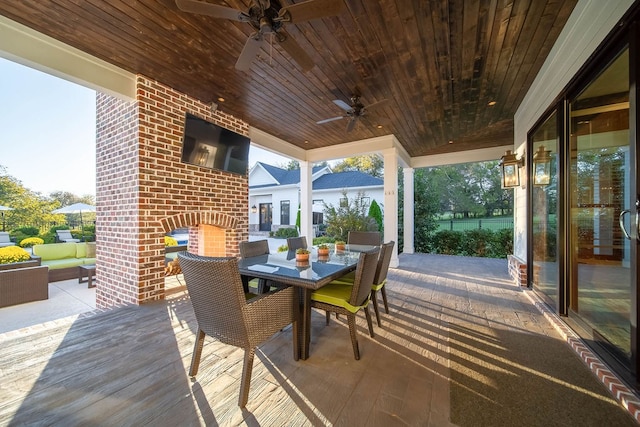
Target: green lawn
493 223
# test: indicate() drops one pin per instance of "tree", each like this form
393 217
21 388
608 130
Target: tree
376 213
371 164
28 207
291 166
348 216
426 207
65 198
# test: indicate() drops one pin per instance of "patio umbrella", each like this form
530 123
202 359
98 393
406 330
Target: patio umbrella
2 209
76 208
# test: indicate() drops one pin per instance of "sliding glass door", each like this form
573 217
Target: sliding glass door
600 277
544 206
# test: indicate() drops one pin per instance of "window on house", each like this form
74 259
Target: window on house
317 218
284 212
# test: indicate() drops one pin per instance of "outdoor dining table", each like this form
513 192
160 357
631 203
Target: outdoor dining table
319 271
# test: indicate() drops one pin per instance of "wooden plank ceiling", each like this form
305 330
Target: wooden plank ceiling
439 63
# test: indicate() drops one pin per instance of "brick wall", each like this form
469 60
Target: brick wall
517 270
144 190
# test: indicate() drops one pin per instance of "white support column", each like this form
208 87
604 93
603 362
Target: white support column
306 215
409 201
391 201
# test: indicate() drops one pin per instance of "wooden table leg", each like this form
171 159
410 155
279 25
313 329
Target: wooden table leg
90 279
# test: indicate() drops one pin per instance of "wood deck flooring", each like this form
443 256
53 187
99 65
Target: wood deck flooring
128 366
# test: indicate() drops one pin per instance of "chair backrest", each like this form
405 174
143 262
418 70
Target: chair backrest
216 293
373 238
365 272
64 234
255 248
294 243
383 262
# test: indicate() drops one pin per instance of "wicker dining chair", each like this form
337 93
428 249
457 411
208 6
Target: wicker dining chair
347 299
250 249
257 247
294 243
379 280
223 311
373 238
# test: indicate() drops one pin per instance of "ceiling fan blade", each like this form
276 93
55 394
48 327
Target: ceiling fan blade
311 9
376 105
209 9
351 124
249 52
340 103
329 120
295 50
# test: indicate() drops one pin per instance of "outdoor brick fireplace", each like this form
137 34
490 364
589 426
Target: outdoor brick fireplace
143 190
208 232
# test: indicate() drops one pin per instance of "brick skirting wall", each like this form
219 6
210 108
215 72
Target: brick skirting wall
517 270
143 189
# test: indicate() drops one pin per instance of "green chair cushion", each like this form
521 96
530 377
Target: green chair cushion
337 294
81 250
379 285
56 264
54 251
253 284
347 279
344 280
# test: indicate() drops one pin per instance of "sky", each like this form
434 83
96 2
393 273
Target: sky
47 132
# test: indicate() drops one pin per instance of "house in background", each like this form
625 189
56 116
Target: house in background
274 194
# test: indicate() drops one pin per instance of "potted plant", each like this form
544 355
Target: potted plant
323 250
302 255
16 257
340 245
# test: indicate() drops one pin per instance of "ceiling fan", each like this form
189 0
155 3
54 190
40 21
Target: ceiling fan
268 17
354 111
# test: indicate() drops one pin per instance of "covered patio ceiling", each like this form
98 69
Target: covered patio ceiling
453 72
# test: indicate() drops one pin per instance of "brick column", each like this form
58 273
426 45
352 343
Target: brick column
140 181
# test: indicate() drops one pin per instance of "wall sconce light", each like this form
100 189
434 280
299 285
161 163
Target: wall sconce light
254 209
203 155
510 170
542 167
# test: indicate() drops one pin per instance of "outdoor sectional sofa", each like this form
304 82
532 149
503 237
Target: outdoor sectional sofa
63 259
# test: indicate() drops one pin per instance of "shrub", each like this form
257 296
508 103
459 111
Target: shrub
285 233
447 242
376 213
27 231
11 254
476 242
283 248
31 241
170 241
503 243
480 243
350 214
19 234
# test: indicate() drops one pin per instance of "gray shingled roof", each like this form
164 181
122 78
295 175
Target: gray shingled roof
346 180
325 182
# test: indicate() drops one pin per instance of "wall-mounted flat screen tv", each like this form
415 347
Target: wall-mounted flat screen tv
211 146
